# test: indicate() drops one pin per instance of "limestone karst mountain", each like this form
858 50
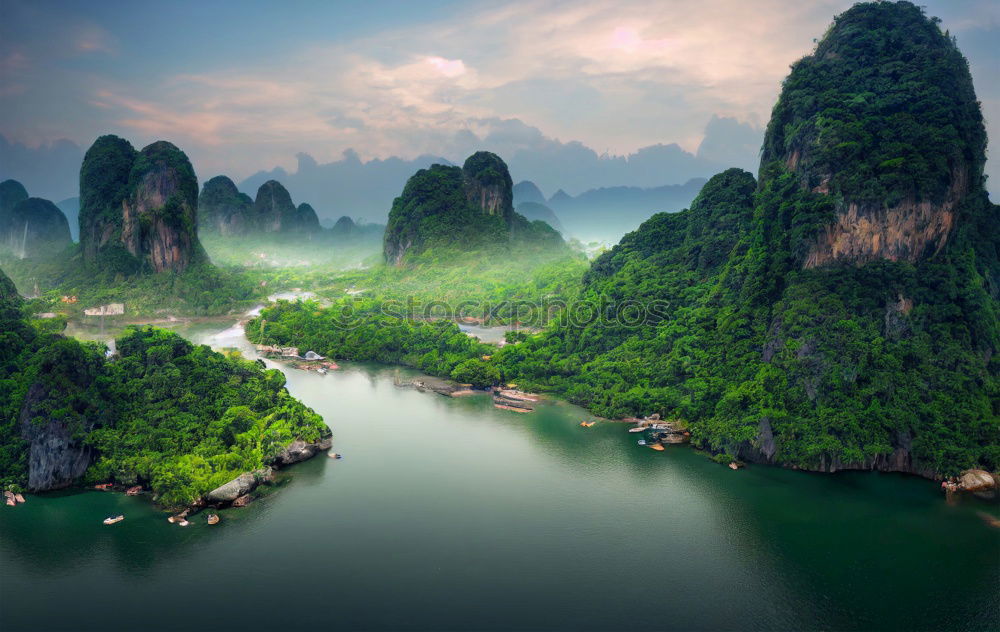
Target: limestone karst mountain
138 210
462 208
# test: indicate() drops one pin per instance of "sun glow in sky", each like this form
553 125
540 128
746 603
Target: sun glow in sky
245 86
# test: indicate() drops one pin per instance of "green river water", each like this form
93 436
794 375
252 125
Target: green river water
448 514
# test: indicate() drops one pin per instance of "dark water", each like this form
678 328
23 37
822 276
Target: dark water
449 514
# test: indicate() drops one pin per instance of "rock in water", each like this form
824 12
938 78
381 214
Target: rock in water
240 486
223 209
138 211
977 481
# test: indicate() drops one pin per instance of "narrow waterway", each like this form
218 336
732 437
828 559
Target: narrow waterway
449 514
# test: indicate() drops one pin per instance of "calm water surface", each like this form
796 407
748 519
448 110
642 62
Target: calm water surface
449 514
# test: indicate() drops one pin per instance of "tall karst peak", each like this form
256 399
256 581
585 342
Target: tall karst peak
138 210
883 118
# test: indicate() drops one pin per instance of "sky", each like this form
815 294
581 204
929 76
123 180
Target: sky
245 86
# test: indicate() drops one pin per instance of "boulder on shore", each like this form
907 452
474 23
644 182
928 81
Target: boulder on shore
240 486
298 450
977 481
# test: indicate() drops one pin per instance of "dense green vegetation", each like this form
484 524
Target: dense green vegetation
466 208
885 108
201 290
162 412
710 316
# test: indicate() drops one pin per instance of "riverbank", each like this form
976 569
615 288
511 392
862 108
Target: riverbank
507 514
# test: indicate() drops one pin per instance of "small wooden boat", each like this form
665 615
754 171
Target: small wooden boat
103 486
657 446
11 502
134 490
734 465
213 518
19 498
587 424
640 429
113 519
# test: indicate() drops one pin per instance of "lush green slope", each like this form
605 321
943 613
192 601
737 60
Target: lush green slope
162 412
840 313
460 209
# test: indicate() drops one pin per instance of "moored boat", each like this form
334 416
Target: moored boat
113 519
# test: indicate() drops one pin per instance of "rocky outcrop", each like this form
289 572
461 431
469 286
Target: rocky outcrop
273 210
237 491
223 209
299 450
240 486
57 457
36 227
863 232
138 211
488 185
159 222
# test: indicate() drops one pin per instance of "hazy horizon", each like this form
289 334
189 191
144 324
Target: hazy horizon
253 86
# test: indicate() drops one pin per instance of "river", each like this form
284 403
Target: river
450 514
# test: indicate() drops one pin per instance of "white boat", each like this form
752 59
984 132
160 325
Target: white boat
114 519
321 371
637 429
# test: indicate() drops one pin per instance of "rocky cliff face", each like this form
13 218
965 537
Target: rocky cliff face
488 185
140 207
36 228
882 118
56 458
911 230
159 219
223 209
63 402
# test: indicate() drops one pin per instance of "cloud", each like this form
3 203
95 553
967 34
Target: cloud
616 76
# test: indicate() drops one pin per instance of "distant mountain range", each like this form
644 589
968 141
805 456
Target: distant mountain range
625 189
607 213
